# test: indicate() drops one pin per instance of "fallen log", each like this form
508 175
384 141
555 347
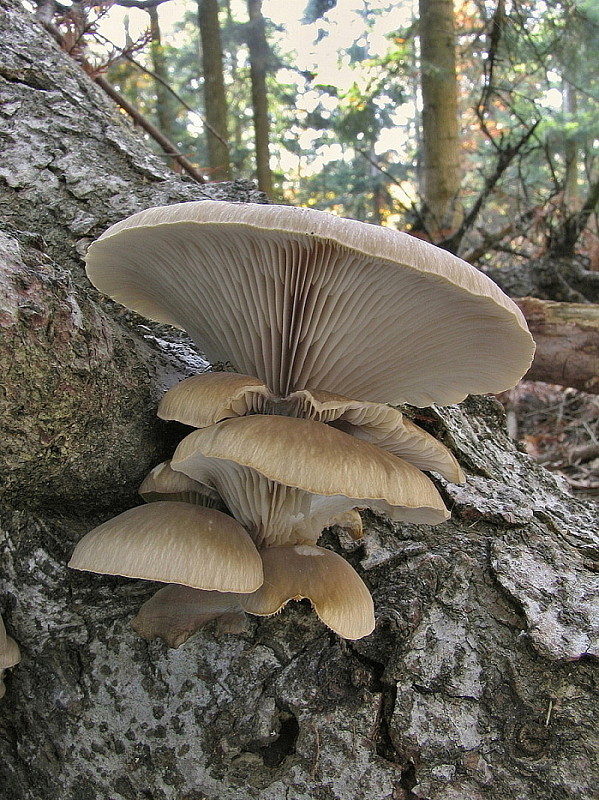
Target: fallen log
567 337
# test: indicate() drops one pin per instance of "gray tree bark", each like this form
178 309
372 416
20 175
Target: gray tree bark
480 679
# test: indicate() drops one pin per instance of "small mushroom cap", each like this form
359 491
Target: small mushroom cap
337 593
301 298
206 399
163 483
9 655
9 649
313 457
173 543
175 612
349 521
387 428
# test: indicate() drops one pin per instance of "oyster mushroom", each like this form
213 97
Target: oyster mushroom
173 542
306 304
300 298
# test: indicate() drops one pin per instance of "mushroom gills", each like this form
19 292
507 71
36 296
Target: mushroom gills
302 298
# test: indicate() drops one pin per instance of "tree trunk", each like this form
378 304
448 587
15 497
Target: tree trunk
440 123
567 337
215 98
571 187
165 107
480 679
258 47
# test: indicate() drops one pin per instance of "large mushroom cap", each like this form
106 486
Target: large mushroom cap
173 542
302 298
336 591
314 458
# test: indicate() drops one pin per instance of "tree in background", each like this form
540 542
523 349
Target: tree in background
215 98
509 169
259 57
166 107
442 174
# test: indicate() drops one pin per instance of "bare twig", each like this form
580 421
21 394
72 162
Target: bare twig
387 174
143 4
504 158
576 223
166 144
168 147
164 83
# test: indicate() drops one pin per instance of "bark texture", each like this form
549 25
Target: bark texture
480 681
70 164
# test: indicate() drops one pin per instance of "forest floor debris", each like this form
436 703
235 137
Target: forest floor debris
559 427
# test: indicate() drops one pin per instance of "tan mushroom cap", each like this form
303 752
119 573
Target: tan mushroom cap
163 483
400 436
9 655
349 521
313 457
302 298
174 543
203 400
175 612
338 595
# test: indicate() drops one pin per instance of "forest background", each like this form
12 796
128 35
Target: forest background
471 124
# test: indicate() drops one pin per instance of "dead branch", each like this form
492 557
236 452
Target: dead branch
166 144
567 337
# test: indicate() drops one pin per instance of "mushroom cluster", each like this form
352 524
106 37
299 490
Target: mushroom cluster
329 324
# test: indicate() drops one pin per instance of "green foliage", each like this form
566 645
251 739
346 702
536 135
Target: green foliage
348 140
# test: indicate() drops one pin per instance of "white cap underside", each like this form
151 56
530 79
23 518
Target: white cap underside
317 302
